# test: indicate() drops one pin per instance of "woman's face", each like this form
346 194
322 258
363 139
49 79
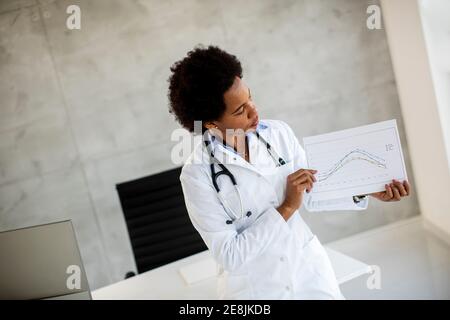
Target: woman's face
240 112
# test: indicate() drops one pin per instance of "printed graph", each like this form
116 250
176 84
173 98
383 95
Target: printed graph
355 161
354 155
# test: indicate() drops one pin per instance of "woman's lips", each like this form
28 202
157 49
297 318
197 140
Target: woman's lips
255 123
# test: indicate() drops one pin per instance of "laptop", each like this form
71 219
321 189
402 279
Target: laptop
42 262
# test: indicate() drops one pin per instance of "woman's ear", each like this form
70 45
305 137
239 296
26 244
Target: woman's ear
210 125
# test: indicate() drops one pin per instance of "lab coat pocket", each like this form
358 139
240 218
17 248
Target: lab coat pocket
234 287
319 266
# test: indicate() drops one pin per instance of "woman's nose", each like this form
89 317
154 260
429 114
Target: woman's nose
252 110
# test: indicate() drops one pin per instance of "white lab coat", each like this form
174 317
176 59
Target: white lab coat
261 256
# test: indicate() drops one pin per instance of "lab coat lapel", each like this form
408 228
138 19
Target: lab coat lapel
227 157
259 156
264 165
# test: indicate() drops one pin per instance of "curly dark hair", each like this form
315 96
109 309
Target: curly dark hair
198 82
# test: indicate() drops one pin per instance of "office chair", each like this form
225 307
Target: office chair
158 224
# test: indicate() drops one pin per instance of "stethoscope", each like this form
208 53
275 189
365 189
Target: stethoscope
278 160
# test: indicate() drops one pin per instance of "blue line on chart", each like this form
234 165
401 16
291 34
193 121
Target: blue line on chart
379 162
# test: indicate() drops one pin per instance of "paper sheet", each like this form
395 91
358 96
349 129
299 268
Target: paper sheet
355 161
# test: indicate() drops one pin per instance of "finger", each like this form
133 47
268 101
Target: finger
301 172
309 188
397 196
407 187
302 179
400 188
305 186
307 183
311 174
311 184
390 193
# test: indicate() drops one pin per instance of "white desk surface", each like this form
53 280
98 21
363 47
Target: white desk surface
166 282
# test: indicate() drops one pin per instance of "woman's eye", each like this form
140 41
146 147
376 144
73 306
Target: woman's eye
240 112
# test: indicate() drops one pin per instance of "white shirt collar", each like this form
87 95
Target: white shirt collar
218 143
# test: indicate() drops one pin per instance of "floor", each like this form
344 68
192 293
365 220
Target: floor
412 263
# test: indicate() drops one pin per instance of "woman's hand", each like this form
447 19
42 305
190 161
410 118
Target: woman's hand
394 191
296 184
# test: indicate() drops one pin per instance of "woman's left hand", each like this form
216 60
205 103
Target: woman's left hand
394 191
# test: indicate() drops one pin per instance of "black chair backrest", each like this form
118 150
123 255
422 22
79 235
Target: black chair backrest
158 223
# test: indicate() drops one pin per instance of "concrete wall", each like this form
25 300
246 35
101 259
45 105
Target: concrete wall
82 110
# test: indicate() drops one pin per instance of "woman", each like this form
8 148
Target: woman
245 182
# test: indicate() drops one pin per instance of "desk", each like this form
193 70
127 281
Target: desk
166 282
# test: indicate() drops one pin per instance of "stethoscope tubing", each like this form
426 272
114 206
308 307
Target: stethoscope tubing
279 161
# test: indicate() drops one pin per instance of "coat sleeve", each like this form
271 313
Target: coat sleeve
299 158
230 248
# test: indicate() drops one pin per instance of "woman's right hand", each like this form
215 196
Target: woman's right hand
296 184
